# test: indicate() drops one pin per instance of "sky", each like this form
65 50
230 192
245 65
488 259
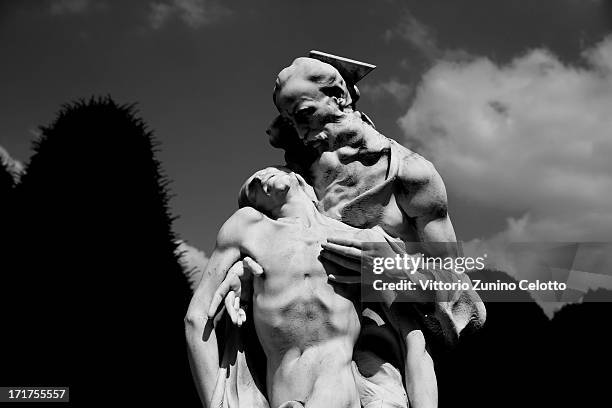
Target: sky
510 100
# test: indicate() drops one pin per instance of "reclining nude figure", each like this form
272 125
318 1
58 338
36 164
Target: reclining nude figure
307 326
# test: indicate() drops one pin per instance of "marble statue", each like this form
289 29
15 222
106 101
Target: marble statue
291 252
307 327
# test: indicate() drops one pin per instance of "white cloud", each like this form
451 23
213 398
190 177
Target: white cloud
416 33
194 13
399 91
64 7
533 136
422 38
159 14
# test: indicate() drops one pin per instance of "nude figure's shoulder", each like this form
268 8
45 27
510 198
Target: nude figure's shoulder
422 187
238 227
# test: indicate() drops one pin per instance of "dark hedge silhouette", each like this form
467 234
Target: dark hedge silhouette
522 358
6 180
6 188
7 183
582 350
494 366
95 291
9 175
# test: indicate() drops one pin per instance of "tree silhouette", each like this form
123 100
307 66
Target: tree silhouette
6 188
98 295
580 344
6 180
9 175
496 366
522 358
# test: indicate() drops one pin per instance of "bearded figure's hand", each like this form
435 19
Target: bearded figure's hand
357 255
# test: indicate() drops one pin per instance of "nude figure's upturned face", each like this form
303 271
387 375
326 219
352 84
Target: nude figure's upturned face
267 189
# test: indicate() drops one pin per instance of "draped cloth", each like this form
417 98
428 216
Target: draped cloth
241 375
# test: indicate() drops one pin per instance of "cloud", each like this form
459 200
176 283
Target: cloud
193 262
194 13
533 136
422 38
159 14
65 7
416 33
399 91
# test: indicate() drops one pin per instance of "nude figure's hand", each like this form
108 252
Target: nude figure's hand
235 285
421 383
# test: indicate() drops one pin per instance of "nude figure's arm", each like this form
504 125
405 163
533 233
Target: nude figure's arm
199 327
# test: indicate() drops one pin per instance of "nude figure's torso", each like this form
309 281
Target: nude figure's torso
307 328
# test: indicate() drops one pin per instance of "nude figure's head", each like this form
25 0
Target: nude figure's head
269 189
310 94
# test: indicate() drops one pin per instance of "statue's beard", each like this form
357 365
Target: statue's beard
333 134
338 134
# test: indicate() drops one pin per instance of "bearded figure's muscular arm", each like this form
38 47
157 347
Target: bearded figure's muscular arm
199 327
424 200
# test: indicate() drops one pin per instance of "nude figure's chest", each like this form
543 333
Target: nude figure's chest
293 302
294 271
289 252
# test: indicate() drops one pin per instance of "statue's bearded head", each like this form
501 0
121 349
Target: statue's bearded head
311 94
